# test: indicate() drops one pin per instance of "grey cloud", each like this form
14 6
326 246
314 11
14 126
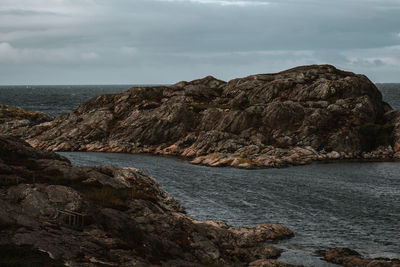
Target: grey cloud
153 41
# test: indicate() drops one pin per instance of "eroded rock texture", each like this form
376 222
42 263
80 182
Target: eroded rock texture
106 216
14 118
293 117
351 258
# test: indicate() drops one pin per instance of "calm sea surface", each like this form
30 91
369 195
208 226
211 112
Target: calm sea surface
354 205
54 99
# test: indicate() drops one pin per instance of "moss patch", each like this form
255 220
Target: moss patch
10 113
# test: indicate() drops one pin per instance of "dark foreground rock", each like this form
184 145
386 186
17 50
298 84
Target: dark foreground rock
293 117
106 216
351 258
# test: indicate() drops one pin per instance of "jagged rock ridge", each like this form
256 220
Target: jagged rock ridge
293 117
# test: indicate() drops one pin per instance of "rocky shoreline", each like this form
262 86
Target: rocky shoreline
107 216
87 216
348 257
295 117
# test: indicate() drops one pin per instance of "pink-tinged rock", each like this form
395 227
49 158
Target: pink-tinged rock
396 147
189 152
197 160
222 162
172 149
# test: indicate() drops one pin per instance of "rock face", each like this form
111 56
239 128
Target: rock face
105 216
393 119
351 258
13 118
293 117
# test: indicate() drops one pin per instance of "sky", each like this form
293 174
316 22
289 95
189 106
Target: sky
166 41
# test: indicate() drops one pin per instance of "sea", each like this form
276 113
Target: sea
355 205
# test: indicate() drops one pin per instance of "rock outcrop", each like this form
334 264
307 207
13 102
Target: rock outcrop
393 119
351 258
14 118
105 216
292 117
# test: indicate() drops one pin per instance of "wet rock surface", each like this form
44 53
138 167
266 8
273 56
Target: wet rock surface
351 258
91 216
293 117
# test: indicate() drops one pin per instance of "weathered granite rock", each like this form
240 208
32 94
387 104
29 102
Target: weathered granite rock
91 216
393 117
351 258
13 118
292 117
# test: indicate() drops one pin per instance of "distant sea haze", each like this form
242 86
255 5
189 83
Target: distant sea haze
57 99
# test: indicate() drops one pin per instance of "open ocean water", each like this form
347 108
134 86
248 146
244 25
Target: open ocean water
355 205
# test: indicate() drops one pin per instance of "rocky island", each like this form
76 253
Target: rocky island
304 114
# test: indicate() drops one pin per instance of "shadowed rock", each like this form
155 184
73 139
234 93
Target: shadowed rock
91 216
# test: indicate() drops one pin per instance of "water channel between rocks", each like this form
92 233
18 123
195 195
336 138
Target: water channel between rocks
355 205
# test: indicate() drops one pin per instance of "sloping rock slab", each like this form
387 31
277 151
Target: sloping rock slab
91 216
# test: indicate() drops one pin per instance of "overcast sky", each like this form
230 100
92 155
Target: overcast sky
165 41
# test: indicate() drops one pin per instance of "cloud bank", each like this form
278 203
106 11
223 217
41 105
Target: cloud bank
164 41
